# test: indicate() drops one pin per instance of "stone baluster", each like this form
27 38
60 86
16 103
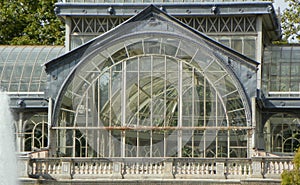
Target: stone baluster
183 168
130 168
109 168
206 171
272 168
104 168
155 168
285 165
198 168
97 167
281 168
189 169
81 167
151 168
276 167
202 168
194 168
50 168
244 171
136 168
94 167
159 169
240 172
53 168
178 168
86 167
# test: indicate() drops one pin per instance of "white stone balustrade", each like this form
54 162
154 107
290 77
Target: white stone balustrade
134 168
273 166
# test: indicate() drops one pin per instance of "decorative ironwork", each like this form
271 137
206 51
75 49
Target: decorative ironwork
83 25
221 24
87 25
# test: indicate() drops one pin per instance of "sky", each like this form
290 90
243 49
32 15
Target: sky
280 3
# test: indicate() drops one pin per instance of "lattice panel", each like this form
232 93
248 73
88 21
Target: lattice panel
202 24
221 24
94 25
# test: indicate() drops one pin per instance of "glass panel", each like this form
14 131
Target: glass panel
237 45
222 141
282 74
250 48
144 144
131 141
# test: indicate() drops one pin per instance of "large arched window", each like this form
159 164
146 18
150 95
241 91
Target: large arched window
152 96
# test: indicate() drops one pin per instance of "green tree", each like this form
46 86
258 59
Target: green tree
30 22
290 19
292 177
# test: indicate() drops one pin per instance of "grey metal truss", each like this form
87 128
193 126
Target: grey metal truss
98 25
88 25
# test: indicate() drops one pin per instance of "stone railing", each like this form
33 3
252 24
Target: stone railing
273 167
141 168
220 168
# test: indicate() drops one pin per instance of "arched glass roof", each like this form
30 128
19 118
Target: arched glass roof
21 70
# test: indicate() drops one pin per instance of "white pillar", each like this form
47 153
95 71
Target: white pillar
49 121
252 142
259 49
68 24
20 134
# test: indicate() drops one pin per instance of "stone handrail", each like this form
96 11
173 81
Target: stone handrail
137 168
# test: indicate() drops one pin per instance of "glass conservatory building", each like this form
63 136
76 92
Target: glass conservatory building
165 90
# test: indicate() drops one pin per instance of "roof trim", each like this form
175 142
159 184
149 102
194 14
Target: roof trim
174 9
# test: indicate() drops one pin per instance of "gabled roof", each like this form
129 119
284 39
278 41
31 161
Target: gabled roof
150 11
